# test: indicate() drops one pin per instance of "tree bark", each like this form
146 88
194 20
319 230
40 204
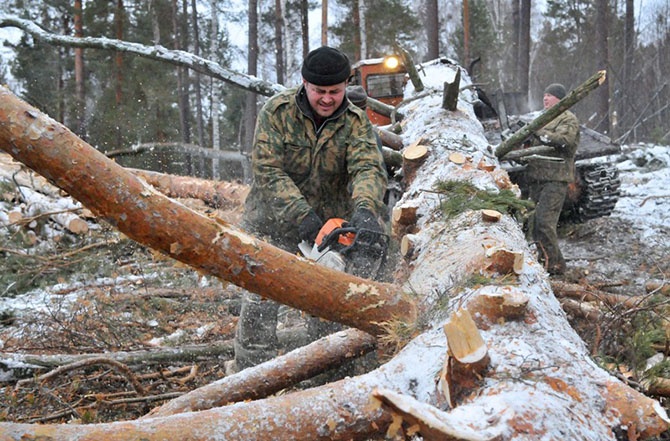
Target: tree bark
80 98
431 14
550 114
540 382
266 379
210 245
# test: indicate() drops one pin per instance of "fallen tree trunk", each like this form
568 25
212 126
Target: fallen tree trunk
219 194
538 382
268 378
210 245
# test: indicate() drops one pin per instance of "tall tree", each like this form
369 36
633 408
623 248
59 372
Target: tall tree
602 52
279 41
197 80
431 16
523 61
324 22
119 15
178 25
250 111
304 26
80 98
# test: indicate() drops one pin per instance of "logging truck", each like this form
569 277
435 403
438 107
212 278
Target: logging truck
383 79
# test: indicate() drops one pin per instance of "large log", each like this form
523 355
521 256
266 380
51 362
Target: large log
540 382
210 245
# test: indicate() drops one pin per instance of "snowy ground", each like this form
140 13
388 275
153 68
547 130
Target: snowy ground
632 245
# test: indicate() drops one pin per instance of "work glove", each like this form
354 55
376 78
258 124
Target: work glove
309 227
364 218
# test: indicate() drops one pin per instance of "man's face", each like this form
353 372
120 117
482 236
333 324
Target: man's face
325 99
549 100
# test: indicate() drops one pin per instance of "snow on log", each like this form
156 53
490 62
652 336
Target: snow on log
539 382
210 245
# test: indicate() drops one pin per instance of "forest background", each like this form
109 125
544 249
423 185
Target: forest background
117 100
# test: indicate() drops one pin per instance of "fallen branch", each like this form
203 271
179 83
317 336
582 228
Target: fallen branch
122 368
267 378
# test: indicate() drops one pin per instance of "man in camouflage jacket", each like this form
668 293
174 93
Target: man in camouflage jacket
549 176
315 157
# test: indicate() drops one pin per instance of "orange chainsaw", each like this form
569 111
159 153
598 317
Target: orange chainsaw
357 251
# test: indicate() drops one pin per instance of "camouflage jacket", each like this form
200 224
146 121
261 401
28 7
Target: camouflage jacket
562 134
332 169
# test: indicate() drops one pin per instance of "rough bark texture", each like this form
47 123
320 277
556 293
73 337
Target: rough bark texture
269 378
210 245
540 382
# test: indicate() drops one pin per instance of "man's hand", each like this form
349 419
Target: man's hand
309 227
364 218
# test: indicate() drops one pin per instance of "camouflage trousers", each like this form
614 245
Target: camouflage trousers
256 334
542 224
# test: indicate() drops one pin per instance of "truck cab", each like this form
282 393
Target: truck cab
383 79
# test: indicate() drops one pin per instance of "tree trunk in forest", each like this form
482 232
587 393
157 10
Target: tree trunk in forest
80 97
432 20
603 62
304 26
523 72
182 76
197 82
250 111
280 68
538 381
324 22
629 69
119 15
214 89
466 33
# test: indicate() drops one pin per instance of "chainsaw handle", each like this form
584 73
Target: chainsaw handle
334 236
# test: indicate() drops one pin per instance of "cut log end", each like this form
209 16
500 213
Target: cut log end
408 245
491 215
504 261
457 158
499 306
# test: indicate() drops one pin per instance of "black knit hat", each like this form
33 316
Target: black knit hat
326 66
557 90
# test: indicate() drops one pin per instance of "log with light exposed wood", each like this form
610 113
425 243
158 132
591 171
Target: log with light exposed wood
220 194
210 245
403 220
412 157
590 294
266 379
540 382
549 115
390 139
